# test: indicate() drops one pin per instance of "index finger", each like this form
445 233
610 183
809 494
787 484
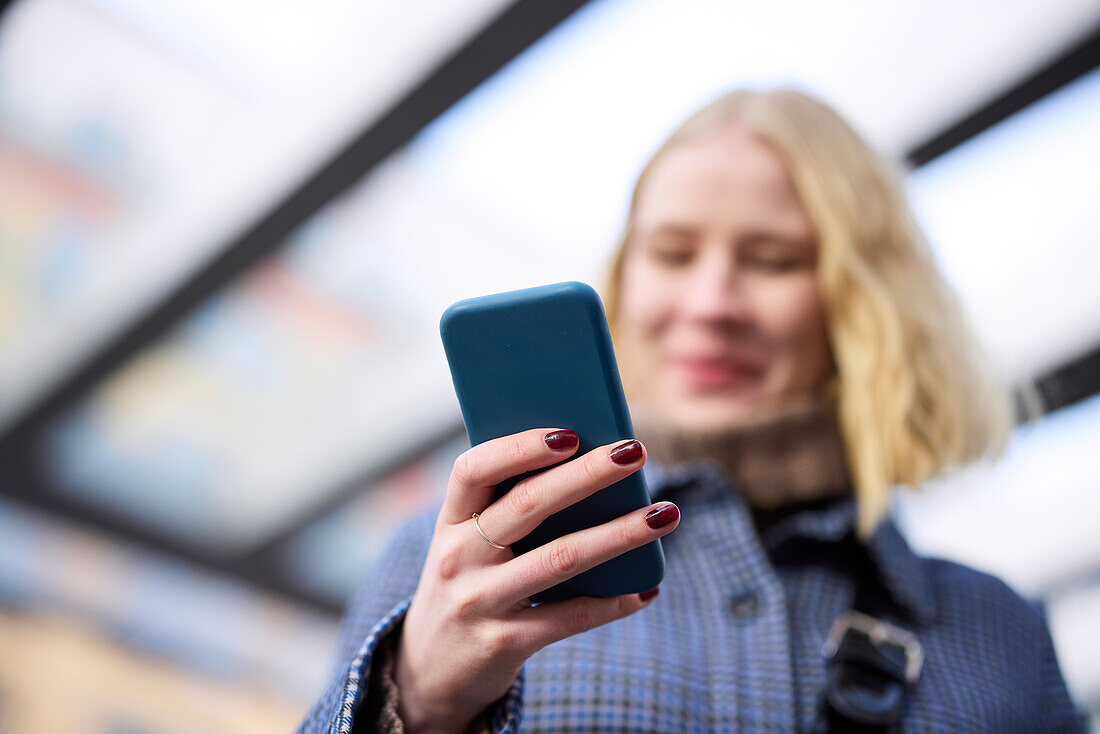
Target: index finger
477 472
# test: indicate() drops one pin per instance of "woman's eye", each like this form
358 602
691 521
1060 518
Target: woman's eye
777 263
670 256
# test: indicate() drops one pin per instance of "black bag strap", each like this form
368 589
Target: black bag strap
873 662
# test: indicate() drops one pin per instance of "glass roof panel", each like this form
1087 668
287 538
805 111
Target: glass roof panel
324 364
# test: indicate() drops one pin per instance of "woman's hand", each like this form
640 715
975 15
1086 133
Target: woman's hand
470 627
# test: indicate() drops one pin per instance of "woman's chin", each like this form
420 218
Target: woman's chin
713 413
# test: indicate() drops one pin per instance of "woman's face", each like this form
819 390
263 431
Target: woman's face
720 314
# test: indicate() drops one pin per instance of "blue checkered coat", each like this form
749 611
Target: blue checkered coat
733 641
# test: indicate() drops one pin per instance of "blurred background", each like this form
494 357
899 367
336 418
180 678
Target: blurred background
228 230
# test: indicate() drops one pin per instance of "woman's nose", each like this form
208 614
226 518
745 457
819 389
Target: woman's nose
715 293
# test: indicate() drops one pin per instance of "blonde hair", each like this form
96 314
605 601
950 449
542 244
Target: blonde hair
913 397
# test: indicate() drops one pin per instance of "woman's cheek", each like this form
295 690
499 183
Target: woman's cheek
789 318
629 336
791 310
643 294
809 340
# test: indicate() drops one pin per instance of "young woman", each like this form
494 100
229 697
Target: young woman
790 354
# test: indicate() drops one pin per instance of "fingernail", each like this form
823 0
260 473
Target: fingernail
628 453
562 440
662 516
647 595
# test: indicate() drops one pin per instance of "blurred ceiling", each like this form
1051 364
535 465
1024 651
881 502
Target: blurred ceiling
227 233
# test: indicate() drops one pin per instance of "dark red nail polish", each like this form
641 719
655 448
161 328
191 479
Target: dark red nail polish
562 440
628 453
662 516
647 595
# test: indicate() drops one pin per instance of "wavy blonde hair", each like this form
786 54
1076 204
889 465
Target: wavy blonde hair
913 395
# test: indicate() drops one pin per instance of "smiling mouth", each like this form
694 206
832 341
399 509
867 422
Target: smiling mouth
713 374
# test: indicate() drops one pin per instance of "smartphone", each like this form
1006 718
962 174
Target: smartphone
542 358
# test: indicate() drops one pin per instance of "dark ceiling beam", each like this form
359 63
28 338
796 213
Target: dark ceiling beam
5 6
1073 63
1069 383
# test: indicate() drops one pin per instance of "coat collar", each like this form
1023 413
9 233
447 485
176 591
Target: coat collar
902 573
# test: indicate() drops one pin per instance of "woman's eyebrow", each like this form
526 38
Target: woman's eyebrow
674 230
775 237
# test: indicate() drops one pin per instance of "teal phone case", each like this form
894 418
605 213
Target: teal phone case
542 358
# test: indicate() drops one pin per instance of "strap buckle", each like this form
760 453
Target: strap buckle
878 632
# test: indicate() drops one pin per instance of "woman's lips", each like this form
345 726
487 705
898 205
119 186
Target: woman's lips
710 373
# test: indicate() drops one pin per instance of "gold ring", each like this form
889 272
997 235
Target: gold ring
478 526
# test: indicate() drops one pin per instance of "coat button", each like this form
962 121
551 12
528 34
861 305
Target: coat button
745 605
